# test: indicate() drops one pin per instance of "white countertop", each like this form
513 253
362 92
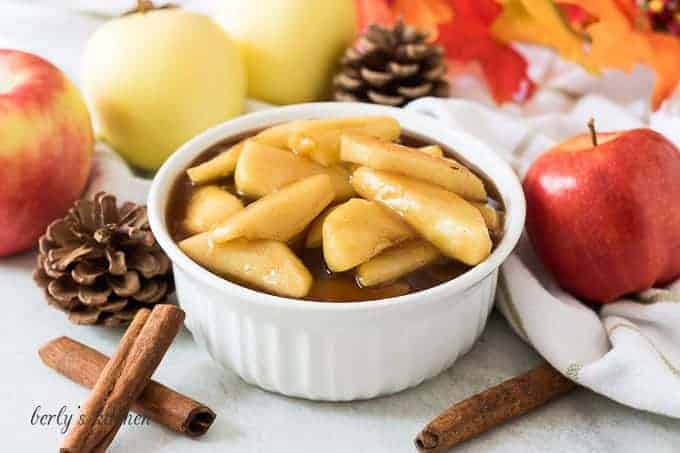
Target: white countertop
250 419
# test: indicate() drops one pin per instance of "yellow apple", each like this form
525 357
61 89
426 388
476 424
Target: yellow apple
291 47
154 79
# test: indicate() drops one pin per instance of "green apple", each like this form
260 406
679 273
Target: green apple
291 47
156 78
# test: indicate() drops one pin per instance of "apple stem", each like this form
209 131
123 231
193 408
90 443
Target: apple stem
144 6
593 134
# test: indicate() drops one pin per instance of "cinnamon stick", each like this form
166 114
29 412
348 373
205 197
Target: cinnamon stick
491 407
124 378
157 402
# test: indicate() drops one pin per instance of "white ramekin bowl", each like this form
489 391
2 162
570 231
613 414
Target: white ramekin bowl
335 351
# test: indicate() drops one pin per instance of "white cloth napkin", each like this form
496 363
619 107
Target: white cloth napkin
630 351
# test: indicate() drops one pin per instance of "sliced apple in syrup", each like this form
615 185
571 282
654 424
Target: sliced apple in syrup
278 135
357 230
381 155
267 265
262 169
432 150
219 167
320 139
209 206
315 233
492 217
280 215
453 225
397 261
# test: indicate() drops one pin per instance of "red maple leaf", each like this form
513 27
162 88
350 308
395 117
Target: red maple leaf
468 38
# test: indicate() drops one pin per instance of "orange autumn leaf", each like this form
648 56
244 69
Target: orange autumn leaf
622 38
373 12
666 62
629 8
614 42
540 22
423 14
426 14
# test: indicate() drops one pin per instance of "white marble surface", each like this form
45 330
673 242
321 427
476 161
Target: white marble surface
249 419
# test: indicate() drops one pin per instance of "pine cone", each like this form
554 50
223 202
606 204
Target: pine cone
101 263
391 66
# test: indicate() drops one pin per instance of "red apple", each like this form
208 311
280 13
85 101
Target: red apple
46 145
605 219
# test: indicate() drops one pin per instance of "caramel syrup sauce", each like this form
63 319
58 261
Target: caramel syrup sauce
328 286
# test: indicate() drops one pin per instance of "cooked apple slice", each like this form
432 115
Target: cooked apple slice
315 233
396 261
432 150
492 218
281 214
262 169
267 265
445 219
320 139
218 167
278 135
357 230
381 155
209 206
